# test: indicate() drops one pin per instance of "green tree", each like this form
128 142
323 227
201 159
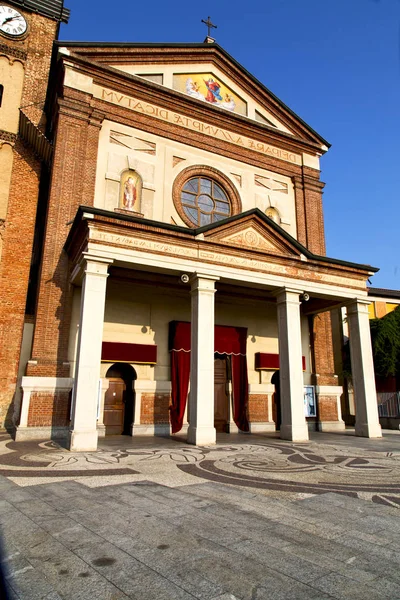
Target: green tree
385 337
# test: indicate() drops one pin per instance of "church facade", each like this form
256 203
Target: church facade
183 283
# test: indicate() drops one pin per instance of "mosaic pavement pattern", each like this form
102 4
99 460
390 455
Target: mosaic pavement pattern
251 518
266 464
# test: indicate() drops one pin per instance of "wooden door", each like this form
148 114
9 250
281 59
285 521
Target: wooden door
114 407
221 406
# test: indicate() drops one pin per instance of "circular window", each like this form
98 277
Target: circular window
204 201
203 196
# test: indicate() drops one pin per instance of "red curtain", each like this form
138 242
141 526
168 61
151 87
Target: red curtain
240 389
180 370
228 340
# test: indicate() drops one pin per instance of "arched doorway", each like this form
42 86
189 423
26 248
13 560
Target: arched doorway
276 401
119 399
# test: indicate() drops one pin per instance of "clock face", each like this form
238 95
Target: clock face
12 23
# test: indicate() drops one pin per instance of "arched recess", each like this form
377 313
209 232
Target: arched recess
130 191
273 214
119 400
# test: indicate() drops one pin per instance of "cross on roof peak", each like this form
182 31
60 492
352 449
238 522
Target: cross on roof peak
210 26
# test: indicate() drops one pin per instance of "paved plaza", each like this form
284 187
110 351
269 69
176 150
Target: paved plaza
253 517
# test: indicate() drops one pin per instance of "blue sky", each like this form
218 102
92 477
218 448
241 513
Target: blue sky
336 63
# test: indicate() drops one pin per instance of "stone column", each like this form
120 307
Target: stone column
83 434
201 429
293 426
362 365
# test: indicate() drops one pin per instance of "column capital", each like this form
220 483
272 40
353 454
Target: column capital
358 305
92 265
287 294
202 282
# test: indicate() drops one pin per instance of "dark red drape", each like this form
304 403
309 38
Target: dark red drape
180 369
228 340
131 353
240 389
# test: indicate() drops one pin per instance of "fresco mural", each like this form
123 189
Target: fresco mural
208 88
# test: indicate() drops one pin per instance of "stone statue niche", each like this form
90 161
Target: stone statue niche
130 193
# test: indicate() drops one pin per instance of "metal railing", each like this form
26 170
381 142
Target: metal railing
388 404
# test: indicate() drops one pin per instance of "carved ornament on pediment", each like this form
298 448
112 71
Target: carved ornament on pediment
251 238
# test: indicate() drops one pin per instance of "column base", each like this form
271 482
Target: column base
201 436
83 441
163 429
369 431
101 430
295 433
327 426
232 427
24 434
262 427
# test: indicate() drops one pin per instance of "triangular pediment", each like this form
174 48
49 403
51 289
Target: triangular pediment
206 73
254 231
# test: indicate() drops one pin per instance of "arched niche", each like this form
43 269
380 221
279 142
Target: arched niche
130 191
273 214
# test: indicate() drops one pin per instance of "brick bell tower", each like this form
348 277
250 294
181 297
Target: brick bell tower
28 29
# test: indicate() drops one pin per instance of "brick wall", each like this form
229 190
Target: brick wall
35 52
73 182
258 408
324 363
154 409
14 271
327 408
49 409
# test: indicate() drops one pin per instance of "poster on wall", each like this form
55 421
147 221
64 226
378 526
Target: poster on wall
310 408
208 88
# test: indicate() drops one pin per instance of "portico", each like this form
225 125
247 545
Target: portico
129 243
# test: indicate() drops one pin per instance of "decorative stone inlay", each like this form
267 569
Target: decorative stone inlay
7 137
176 160
238 178
129 141
271 184
10 51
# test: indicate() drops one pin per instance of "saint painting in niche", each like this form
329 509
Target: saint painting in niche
273 214
130 194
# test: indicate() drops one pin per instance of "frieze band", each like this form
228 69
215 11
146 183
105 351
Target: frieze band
194 124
